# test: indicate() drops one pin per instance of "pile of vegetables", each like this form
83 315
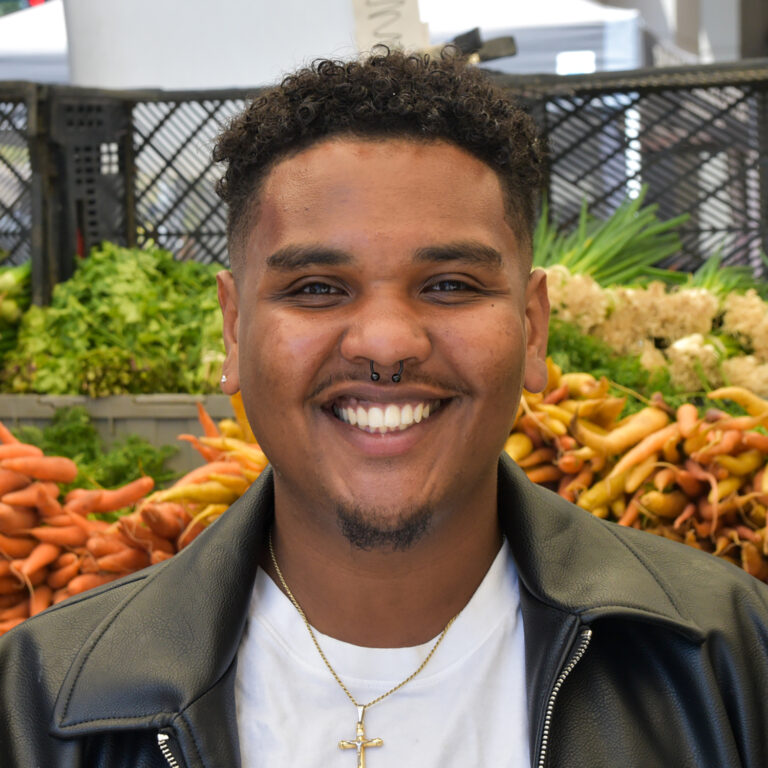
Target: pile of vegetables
701 480
52 548
128 320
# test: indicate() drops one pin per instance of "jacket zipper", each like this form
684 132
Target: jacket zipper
581 648
163 740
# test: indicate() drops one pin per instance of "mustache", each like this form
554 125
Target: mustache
409 377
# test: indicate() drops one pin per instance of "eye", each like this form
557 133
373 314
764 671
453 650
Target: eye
316 289
450 285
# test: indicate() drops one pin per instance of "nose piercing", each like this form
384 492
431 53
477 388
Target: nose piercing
375 376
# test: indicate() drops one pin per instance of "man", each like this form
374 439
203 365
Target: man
389 592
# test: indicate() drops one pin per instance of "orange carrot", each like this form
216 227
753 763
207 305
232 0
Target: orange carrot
556 395
18 611
64 559
7 601
647 446
9 624
40 600
570 463
663 478
756 440
85 503
87 581
11 481
126 496
688 482
167 519
209 454
687 419
13 519
141 536
9 585
631 513
16 546
539 456
27 497
57 468
689 511
43 554
206 422
64 536
728 443
157 557
190 533
14 450
202 473
46 503
126 561
6 436
62 576
5 567
544 473
105 544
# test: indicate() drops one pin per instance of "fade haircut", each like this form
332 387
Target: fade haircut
385 95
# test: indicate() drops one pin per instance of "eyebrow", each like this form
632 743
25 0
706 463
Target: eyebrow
294 257
301 256
466 251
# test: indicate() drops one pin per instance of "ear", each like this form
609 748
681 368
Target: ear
228 301
536 331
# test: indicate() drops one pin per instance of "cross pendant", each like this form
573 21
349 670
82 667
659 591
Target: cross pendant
360 743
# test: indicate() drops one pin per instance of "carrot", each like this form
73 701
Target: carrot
14 450
640 473
9 624
83 504
157 557
190 533
64 559
756 440
105 544
688 482
126 496
167 519
667 505
754 405
688 512
16 546
200 474
570 463
727 443
647 446
13 519
5 567
687 419
57 468
544 473
664 478
64 536
62 576
43 554
209 454
18 611
630 432
59 595
87 581
631 513
11 481
90 526
236 401
556 395
40 600
125 561
539 456
48 505
603 492
743 464
9 585
581 482
7 601
6 436
27 497
206 422
140 536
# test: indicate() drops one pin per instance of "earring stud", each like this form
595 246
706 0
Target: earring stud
223 378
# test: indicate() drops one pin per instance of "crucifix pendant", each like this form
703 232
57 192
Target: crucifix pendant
360 743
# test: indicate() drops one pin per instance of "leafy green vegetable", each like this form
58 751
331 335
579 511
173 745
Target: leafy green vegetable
71 433
14 299
621 250
722 280
128 321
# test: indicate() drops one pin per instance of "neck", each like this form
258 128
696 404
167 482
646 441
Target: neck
385 598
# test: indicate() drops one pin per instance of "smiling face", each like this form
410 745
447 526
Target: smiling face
383 251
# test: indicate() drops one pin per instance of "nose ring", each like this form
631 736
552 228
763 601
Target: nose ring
375 376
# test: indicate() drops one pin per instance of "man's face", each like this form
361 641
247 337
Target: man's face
382 251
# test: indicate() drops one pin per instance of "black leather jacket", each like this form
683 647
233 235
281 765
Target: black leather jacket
640 652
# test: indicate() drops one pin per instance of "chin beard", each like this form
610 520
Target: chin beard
369 529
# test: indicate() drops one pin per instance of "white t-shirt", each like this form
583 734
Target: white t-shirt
467 707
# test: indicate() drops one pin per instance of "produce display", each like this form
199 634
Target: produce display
52 548
700 480
128 320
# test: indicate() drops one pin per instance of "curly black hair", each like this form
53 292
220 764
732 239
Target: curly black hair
388 94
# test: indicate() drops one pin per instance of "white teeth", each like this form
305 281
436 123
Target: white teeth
386 418
392 416
375 417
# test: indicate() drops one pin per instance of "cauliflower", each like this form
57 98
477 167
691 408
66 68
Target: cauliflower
746 319
747 372
576 299
694 364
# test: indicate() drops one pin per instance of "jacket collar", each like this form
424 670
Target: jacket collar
157 657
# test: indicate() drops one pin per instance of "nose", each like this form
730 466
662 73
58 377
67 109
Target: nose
386 331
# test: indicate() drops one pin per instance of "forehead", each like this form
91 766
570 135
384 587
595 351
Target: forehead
391 190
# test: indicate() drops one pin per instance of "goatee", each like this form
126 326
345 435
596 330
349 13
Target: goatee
368 529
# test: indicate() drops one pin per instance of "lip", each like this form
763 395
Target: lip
386 393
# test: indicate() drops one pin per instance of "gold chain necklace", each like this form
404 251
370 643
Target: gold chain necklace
360 743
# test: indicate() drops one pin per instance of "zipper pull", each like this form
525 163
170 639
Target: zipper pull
164 742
